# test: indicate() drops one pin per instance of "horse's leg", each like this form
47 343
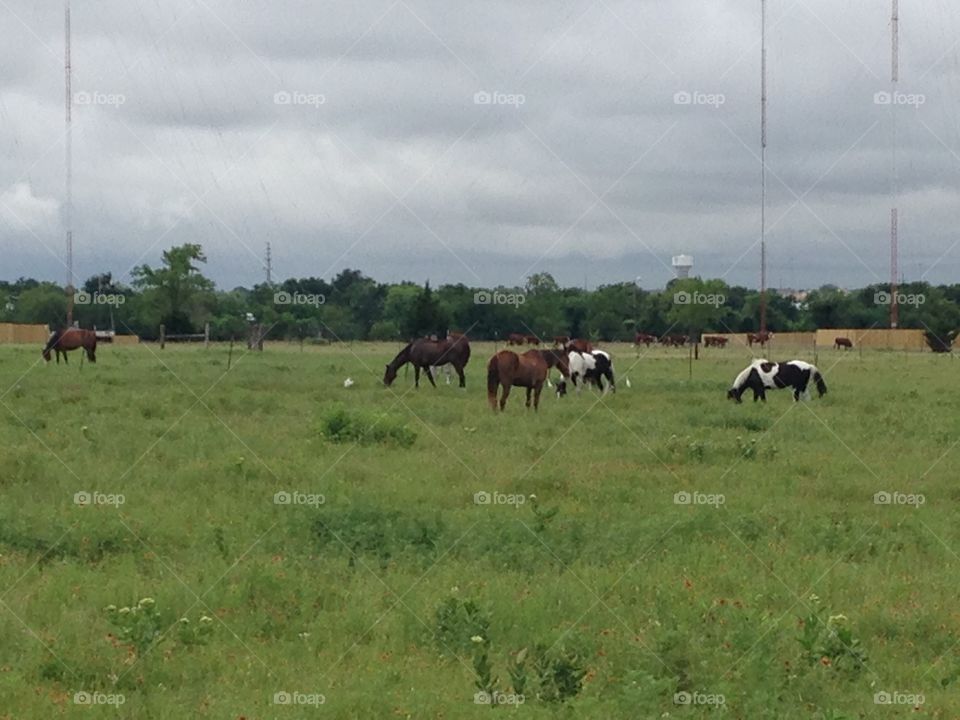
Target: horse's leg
463 379
426 369
529 391
416 376
503 398
536 397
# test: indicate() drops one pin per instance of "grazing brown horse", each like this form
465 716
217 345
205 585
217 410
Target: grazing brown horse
560 340
65 339
425 353
531 339
507 369
644 338
515 339
579 345
715 341
761 337
673 340
842 342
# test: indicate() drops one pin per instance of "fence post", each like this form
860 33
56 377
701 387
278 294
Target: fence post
206 336
163 336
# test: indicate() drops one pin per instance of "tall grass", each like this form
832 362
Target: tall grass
417 521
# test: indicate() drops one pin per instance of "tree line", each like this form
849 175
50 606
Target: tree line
352 306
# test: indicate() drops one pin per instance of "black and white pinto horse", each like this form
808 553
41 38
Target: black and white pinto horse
591 367
762 375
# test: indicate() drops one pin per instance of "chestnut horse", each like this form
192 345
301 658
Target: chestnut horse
425 353
507 369
579 345
64 339
761 337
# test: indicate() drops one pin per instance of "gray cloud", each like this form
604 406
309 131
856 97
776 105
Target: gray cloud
383 160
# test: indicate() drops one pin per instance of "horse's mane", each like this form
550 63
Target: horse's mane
402 356
745 373
54 339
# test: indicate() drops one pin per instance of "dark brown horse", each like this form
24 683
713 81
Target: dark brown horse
644 338
842 342
673 340
425 353
506 369
761 337
515 339
65 339
714 341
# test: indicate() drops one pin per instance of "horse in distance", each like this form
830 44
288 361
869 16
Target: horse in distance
64 340
424 354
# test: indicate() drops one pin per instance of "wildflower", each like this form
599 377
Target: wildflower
204 619
147 602
837 619
477 638
111 608
124 610
814 598
184 621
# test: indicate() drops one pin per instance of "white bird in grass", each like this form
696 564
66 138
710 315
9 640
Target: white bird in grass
348 383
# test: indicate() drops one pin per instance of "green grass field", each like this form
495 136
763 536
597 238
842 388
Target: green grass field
582 586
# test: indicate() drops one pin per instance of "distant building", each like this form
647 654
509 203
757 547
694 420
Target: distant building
682 264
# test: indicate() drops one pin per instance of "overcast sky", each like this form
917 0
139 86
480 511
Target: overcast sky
481 142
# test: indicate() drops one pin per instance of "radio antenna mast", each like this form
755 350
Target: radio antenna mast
895 191
68 207
763 166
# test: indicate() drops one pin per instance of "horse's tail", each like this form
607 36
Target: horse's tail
821 385
493 380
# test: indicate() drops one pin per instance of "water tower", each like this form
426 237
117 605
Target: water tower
682 265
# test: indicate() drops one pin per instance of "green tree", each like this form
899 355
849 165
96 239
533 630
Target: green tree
425 316
43 303
181 294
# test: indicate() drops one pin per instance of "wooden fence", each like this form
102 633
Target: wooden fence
20 333
877 339
793 340
203 337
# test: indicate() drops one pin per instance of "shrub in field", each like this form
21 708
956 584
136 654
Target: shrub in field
374 531
457 622
342 425
142 626
559 673
830 643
